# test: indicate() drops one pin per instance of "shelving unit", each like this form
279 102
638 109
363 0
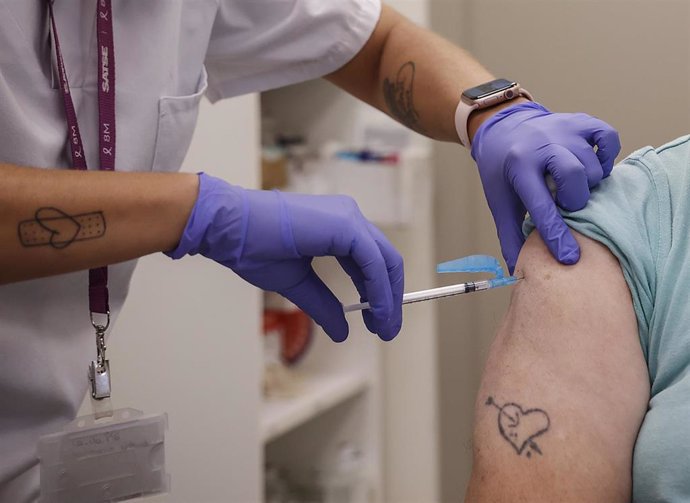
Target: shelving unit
317 394
336 399
393 417
367 393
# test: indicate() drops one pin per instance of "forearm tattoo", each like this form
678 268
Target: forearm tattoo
520 427
55 228
399 97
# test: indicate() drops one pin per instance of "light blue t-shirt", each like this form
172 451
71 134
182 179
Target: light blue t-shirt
642 214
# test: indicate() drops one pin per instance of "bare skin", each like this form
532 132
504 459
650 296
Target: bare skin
416 77
140 213
565 386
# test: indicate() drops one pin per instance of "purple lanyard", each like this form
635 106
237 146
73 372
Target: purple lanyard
98 278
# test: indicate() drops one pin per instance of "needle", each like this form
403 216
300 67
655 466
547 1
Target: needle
445 291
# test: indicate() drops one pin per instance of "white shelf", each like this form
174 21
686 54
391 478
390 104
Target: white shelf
318 393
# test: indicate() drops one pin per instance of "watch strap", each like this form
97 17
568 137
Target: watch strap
464 110
462 115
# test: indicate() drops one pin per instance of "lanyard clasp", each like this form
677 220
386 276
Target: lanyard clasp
99 375
99 370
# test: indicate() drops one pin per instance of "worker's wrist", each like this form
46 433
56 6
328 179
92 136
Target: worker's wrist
189 221
477 117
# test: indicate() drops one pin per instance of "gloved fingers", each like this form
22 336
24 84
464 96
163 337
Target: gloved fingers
369 258
352 270
394 266
396 275
313 297
592 166
572 185
509 229
535 195
607 141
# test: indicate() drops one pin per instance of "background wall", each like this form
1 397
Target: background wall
627 62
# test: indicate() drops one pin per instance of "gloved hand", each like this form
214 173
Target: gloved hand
269 238
516 148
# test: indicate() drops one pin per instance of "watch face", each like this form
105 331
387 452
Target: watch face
487 89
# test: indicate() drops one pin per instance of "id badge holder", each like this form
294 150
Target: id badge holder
103 458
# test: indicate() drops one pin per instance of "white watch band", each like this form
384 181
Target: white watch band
463 111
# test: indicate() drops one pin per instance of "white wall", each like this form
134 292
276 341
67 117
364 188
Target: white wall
187 340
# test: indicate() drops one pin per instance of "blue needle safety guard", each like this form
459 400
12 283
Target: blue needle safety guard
479 263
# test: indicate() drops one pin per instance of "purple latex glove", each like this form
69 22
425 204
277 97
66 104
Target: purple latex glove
269 238
516 148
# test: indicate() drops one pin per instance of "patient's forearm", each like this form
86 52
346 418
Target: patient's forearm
565 386
56 221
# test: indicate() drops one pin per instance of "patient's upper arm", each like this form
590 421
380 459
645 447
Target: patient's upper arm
565 386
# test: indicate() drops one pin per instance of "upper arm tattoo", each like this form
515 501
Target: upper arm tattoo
55 228
399 97
520 427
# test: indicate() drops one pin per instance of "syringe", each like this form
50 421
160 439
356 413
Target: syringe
445 291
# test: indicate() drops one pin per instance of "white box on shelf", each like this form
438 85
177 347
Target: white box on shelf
386 193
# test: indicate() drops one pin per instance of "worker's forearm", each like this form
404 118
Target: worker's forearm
417 77
57 221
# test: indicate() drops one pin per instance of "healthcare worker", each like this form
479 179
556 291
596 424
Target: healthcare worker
114 86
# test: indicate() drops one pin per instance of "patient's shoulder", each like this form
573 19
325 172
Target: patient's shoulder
567 347
593 285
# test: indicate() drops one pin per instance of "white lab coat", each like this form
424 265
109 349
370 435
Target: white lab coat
168 53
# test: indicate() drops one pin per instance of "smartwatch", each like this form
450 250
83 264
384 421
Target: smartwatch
484 96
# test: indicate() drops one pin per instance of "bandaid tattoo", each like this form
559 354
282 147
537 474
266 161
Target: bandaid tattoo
55 228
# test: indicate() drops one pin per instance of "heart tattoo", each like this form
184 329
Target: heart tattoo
520 427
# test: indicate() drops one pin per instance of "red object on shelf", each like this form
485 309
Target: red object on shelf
273 320
295 329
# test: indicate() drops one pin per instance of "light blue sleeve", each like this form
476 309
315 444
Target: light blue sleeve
642 214
630 213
